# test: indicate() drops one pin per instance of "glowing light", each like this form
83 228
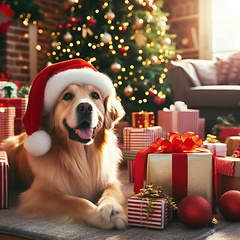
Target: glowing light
38 47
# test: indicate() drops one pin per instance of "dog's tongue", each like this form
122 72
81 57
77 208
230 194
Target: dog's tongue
85 133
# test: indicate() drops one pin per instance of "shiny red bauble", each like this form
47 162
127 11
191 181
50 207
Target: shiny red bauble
159 100
195 211
229 205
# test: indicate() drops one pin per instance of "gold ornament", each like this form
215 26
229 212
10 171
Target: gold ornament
166 41
128 91
110 15
106 38
153 59
115 67
67 37
138 24
54 44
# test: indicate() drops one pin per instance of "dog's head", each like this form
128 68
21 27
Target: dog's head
81 98
81 112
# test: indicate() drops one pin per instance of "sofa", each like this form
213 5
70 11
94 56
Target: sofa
211 86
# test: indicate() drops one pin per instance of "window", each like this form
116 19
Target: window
225 27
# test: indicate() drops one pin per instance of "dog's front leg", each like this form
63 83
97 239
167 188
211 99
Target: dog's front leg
109 206
40 202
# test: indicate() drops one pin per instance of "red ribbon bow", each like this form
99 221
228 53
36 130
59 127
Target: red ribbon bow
187 141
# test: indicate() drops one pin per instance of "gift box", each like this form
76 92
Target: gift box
232 143
20 105
3 180
201 127
182 174
129 157
139 215
228 170
218 149
7 116
135 139
227 132
179 121
143 119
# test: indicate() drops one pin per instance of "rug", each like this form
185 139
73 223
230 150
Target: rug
14 224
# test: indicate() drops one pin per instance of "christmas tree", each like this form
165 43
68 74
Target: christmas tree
127 40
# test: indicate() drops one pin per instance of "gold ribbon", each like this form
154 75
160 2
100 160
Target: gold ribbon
152 192
86 31
211 139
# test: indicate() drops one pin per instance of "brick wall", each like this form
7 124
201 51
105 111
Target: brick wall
16 54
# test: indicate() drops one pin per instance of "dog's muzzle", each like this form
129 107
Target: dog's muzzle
84 132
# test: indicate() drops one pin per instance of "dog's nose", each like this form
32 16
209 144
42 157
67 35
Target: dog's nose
84 108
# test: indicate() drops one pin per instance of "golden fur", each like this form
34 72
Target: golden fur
73 180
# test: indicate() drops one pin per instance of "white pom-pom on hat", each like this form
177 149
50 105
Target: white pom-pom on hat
38 144
45 90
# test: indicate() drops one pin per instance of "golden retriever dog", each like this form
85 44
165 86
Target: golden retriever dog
77 178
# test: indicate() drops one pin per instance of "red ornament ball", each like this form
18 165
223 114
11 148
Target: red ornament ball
92 22
195 211
122 49
159 99
229 205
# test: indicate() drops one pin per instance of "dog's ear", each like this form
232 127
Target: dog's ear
114 112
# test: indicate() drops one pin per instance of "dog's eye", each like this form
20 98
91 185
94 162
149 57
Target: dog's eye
68 96
95 95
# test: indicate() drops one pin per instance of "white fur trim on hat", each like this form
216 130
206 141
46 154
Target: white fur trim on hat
38 144
58 82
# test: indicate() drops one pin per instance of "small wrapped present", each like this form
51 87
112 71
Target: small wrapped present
228 170
143 119
232 143
227 132
201 127
217 148
135 139
3 180
150 208
226 126
178 165
179 120
7 116
20 105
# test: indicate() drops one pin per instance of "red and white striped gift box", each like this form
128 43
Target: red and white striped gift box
138 214
3 180
135 139
179 121
7 116
20 105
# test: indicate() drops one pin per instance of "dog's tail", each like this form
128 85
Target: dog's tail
20 175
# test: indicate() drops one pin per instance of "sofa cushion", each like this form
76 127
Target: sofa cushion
189 69
228 70
206 71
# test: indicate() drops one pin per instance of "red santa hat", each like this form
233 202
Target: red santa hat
45 90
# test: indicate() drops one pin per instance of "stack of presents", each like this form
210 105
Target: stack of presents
12 109
193 165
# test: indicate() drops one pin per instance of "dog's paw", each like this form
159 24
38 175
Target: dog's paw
112 215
